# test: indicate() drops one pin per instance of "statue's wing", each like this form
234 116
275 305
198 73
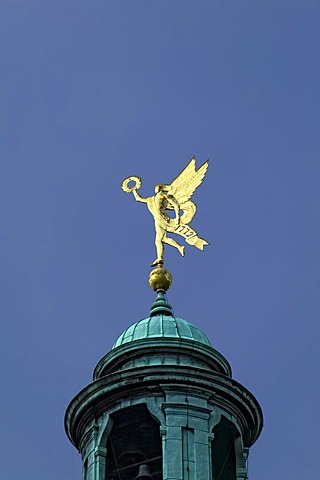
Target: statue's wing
187 181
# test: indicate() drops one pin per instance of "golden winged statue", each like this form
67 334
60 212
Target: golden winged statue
175 196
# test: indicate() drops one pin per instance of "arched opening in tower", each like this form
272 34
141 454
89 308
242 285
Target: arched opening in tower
133 441
223 454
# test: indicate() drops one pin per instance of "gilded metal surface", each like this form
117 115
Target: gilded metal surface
176 197
160 278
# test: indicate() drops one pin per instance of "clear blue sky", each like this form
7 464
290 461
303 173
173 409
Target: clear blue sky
95 91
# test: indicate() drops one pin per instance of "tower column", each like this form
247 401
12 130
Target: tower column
242 455
185 453
87 449
100 463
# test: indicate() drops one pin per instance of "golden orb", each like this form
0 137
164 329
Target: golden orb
160 278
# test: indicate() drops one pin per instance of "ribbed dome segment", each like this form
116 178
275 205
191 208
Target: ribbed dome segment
161 326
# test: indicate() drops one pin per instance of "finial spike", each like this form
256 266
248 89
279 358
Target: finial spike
161 306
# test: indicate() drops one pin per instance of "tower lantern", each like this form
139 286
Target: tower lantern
163 404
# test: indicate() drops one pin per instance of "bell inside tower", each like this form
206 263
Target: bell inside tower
134 445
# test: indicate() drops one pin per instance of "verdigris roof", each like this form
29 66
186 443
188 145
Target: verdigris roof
161 326
162 337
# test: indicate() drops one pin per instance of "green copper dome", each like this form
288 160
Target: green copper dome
161 339
161 326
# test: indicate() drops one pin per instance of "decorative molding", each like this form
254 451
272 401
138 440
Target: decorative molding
214 419
155 409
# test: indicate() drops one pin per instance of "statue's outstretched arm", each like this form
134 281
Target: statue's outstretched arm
138 197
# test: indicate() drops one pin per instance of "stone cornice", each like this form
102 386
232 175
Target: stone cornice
162 347
224 392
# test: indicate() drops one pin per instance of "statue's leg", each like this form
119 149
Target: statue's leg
173 243
160 235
